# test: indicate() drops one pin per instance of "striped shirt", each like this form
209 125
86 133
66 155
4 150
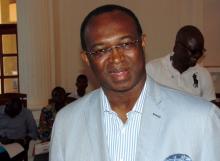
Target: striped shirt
122 138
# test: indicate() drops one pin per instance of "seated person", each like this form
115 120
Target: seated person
48 113
17 124
47 117
81 85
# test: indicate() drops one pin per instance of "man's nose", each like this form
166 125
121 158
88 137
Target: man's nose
117 55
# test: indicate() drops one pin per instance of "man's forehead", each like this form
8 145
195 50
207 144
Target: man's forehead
195 43
103 17
111 22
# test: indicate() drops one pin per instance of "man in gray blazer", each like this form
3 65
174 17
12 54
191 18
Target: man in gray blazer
131 117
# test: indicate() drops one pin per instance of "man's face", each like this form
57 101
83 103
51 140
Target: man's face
13 108
115 51
58 96
188 53
81 84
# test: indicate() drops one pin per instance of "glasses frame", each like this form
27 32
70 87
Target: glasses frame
122 46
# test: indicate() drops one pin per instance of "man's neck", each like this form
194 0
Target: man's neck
177 66
123 102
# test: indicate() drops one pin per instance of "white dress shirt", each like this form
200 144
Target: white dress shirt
122 137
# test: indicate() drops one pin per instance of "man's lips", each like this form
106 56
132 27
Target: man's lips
116 70
119 74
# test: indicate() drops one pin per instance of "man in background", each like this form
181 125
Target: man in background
47 117
49 112
17 124
180 70
131 117
81 85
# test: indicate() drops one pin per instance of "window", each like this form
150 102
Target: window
9 75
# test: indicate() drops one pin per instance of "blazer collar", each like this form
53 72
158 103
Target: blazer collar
94 119
151 121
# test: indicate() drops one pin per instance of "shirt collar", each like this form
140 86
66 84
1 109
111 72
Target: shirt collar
171 68
138 107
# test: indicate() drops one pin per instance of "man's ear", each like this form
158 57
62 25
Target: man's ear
143 40
84 57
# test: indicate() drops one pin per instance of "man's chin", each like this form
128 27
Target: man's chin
120 88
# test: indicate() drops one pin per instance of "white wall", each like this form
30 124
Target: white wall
34 47
212 32
49 42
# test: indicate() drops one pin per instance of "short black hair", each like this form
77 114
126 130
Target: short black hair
13 107
82 76
189 31
104 9
59 90
14 102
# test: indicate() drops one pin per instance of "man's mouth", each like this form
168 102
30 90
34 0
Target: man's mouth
119 74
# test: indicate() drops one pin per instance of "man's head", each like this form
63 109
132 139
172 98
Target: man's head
13 107
81 84
113 42
58 95
102 10
188 48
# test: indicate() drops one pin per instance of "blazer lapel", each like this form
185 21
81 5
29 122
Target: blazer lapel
94 120
151 122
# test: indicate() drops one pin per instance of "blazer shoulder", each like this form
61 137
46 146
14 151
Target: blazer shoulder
185 102
175 100
80 106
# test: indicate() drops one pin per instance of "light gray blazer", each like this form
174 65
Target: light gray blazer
174 125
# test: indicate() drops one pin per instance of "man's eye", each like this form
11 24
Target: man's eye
100 52
126 45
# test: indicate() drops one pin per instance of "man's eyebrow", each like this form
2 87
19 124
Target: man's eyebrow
128 37
101 44
97 45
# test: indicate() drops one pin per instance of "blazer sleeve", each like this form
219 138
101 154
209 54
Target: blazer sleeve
56 142
211 142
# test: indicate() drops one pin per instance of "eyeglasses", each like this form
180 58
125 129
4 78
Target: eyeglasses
123 47
193 52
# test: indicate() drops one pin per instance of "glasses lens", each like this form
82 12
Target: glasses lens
122 47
